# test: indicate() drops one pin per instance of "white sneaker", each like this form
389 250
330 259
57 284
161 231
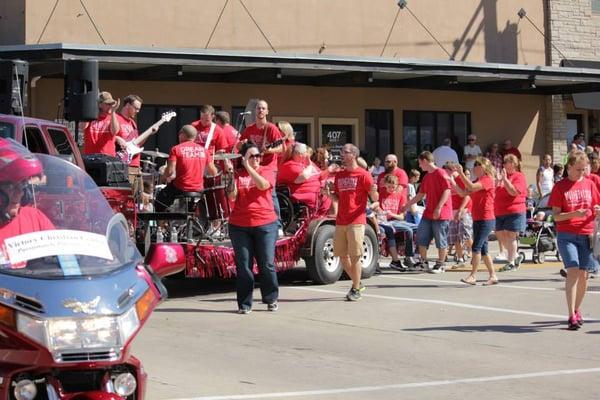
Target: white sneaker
500 257
280 233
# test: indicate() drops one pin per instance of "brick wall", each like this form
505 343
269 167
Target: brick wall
573 29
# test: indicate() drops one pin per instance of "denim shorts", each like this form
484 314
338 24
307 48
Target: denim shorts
576 251
433 229
481 231
511 222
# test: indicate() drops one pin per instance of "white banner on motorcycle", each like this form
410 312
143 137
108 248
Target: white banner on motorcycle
56 242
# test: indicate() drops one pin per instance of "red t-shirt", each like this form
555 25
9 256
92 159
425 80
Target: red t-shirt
513 150
457 199
505 204
190 159
400 174
218 141
570 196
306 192
97 137
433 186
269 134
596 179
483 200
253 207
231 137
29 219
129 131
392 201
352 188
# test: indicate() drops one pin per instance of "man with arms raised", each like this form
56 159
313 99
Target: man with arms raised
99 135
351 187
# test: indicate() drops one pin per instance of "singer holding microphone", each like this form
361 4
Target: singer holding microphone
253 228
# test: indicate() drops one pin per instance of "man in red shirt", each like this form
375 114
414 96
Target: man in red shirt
210 135
99 135
187 161
17 167
229 132
128 131
437 215
509 149
268 138
351 188
391 167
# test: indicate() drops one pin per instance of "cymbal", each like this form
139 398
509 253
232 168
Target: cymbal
225 156
152 153
148 162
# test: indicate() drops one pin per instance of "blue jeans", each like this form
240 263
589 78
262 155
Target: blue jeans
250 243
481 231
276 208
576 251
391 227
433 229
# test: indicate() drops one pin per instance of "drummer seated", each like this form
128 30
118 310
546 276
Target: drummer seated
187 161
302 177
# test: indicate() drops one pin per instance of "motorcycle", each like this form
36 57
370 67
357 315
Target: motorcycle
73 298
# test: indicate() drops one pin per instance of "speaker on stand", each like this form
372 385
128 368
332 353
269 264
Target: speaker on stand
81 92
14 76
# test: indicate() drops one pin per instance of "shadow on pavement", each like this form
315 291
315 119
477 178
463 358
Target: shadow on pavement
538 327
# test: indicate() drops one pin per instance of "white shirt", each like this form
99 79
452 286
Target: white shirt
443 154
547 180
375 171
471 151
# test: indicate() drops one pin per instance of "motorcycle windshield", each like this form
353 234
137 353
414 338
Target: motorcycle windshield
63 227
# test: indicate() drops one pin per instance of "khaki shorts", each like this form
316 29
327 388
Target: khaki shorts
348 240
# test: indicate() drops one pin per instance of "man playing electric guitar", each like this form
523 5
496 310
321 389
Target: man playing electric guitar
210 134
129 138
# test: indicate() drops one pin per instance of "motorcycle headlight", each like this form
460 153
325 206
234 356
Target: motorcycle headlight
80 333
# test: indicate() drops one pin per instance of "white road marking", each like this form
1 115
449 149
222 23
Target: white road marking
399 386
503 285
440 302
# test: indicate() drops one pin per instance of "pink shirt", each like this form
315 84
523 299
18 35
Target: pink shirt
483 200
570 196
253 207
505 203
352 188
97 137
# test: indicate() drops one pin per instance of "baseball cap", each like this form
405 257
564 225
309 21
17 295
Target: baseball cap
106 97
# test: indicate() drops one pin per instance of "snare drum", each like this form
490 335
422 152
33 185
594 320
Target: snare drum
215 200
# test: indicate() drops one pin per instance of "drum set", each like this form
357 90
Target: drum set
209 211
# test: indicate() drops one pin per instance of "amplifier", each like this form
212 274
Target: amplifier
106 170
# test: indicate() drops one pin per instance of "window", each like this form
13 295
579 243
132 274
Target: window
7 130
379 133
34 140
166 137
425 130
61 142
596 6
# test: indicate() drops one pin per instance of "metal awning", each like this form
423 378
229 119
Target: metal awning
155 64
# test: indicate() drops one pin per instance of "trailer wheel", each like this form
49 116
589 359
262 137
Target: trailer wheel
370 257
322 267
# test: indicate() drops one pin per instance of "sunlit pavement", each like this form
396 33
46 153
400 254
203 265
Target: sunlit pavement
412 336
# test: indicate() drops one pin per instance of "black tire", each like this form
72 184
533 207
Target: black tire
539 258
286 210
322 267
370 258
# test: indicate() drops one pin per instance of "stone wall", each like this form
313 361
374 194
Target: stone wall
573 30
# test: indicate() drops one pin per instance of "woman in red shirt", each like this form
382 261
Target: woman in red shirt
482 192
253 229
510 209
574 201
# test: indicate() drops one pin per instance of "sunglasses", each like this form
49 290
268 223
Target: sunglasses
255 156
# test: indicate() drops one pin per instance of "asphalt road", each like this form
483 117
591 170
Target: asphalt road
412 336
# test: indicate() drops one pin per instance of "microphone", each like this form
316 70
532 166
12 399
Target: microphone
246 113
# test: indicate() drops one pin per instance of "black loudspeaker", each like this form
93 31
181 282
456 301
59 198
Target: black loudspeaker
13 81
81 90
106 170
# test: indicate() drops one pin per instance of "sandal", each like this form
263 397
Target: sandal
470 280
491 281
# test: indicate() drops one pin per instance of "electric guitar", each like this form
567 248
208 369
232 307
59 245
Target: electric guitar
131 148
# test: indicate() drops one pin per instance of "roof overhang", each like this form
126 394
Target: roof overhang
154 64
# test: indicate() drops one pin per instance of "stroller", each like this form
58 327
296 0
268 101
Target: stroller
540 233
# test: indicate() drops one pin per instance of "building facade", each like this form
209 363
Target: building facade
485 39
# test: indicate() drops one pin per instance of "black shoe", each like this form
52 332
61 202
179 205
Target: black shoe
397 265
563 273
438 268
273 306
